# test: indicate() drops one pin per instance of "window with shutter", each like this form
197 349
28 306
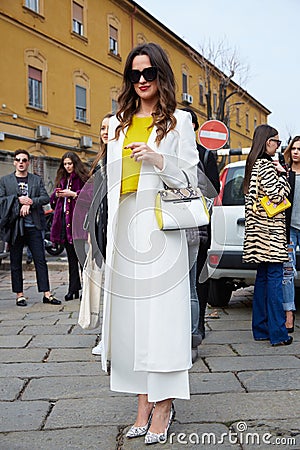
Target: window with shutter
201 94
184 83
247 121
33 4
113 40
35 87
80 103
215 103
77 19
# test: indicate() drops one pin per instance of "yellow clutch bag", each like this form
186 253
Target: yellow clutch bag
274 208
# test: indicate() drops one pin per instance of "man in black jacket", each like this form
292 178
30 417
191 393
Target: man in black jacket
26 193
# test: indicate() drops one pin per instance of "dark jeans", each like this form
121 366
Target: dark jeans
33 238
268 316
203 288
74 277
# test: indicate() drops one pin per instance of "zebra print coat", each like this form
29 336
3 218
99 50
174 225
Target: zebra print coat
265 237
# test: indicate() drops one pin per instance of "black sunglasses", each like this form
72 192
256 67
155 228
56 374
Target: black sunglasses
149 73
23 160
278 142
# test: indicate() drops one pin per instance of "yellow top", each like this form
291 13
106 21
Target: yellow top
137 132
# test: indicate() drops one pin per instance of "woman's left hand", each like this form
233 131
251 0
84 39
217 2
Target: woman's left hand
67 193
142 152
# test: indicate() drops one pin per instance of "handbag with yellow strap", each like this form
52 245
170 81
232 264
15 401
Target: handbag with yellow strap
178 209
271 208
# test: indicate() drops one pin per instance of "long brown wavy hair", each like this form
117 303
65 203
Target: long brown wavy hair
129 101
102 148
287 152
261 134
79 168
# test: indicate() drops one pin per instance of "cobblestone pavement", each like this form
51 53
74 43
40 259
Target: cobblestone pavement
245 394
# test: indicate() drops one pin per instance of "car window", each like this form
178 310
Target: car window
233 190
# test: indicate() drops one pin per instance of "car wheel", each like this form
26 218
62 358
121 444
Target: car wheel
219 292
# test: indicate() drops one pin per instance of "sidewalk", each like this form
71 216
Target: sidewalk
54 395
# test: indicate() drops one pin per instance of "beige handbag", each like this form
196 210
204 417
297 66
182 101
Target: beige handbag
179 209
89 312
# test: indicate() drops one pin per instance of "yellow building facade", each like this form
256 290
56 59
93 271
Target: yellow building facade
62 64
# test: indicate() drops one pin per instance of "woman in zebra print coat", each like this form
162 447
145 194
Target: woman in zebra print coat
265 238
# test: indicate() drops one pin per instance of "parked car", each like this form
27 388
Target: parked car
227 271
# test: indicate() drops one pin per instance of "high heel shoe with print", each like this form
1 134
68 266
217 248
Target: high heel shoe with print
291 329
140 431
156 438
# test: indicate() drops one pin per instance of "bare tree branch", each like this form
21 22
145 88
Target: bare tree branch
220 62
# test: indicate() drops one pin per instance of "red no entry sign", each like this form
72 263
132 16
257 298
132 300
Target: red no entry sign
213 134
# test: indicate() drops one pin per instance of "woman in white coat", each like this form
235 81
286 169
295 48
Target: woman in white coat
146 330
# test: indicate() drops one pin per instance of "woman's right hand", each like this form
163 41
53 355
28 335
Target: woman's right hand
142 152
279 167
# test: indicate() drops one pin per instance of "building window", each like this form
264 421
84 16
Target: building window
77 19
255 123
114 36
201 94
215 103
114 94
113 40
35 87
82 89
114 106
238 122
36 79
247 121
81 104
33 4
184 83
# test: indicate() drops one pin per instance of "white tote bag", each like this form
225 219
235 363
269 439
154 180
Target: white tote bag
89 312
178 209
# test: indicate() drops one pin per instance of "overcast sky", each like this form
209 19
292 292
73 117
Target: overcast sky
266 34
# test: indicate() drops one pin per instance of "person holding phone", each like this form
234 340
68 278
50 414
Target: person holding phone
70 179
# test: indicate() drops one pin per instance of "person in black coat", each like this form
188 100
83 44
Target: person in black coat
29 194
210 188
209 162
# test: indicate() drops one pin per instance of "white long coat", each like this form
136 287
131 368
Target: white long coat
163 329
